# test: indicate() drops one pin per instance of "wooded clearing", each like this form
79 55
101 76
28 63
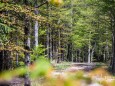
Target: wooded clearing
40 36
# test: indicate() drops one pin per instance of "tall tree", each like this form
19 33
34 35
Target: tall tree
27 45
36 25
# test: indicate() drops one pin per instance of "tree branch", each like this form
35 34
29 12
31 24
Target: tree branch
45 2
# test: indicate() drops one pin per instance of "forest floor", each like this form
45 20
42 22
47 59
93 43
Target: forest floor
74 67
99 72
61 69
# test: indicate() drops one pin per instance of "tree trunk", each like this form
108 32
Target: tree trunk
59 45
51 50
76 57
104 56
27 47
79 55
92 52
113 46
36 26
48 35
69 54
89 52
17 55
5 59
72 53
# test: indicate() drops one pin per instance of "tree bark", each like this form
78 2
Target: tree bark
36 26
59 45
69 52
113 46
89 52
48 35
27 46
92 52
5 60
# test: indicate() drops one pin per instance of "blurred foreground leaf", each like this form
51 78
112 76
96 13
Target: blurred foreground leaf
8 75
56 2
41 67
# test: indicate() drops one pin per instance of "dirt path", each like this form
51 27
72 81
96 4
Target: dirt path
75 67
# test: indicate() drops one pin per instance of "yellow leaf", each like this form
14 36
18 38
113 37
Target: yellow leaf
56 2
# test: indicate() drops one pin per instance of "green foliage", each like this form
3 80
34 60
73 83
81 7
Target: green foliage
8 75
1 5
4 31
37 52
42 32
41 66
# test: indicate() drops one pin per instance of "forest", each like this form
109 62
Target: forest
39 38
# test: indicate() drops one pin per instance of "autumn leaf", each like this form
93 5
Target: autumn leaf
56 2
